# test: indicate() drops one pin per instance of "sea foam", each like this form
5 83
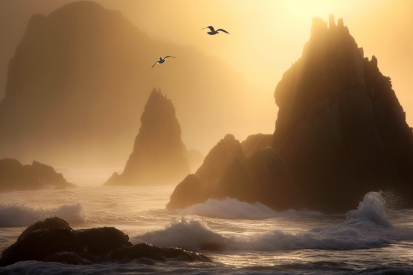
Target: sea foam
23 214
365 227
188 234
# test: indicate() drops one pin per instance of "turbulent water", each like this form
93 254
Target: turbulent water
255 239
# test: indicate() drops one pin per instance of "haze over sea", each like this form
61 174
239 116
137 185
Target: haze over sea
254 238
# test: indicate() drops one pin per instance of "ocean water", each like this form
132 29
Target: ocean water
254 238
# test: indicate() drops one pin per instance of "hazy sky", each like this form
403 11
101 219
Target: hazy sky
266 35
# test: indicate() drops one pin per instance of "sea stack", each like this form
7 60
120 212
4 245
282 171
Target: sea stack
340 133
340 127
158 153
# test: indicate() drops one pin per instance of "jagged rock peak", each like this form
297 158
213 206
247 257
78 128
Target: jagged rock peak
158 152
340 121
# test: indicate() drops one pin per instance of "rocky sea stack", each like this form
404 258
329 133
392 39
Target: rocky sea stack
15 176
340 133
158 153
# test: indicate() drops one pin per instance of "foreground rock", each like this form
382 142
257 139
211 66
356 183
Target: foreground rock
158 153
340 133
227 172
15 176
52 243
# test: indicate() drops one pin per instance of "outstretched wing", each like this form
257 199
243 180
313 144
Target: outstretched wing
157 62
222 30
210 27
169 56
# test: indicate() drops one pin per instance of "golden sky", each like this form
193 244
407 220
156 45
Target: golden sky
266 36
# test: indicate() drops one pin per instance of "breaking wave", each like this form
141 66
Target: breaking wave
365 227
23 215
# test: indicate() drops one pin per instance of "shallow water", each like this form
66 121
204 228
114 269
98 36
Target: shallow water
256 239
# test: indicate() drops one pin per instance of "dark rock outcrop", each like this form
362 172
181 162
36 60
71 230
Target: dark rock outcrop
99 241
340 133
340 128
52 241
54 222
226 172
197 188
144 250
158 153
15 176
39 244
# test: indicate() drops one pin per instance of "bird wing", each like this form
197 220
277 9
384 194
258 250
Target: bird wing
210 27
222 31
157 62
168 56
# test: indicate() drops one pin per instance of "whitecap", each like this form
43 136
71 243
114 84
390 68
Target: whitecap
22 214
365 227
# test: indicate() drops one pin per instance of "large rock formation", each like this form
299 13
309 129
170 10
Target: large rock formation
340 133
53 240
158 153
340 128
79 80
228 172
15 176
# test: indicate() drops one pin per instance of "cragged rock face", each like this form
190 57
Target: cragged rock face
226 172
99 241
340 128
51 241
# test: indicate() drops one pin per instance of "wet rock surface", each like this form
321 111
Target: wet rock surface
47 242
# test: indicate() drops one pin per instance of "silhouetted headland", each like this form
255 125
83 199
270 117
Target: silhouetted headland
340 133
15 176
158 153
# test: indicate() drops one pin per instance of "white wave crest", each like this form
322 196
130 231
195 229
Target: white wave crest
234 209
365 227
23 215
188 234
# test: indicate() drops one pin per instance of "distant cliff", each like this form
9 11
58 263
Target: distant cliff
340 133
158 153
15 176
79 80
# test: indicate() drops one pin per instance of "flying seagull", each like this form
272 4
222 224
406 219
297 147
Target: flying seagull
213 31
162 60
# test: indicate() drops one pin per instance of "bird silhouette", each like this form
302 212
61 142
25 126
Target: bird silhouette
162 60
213 31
